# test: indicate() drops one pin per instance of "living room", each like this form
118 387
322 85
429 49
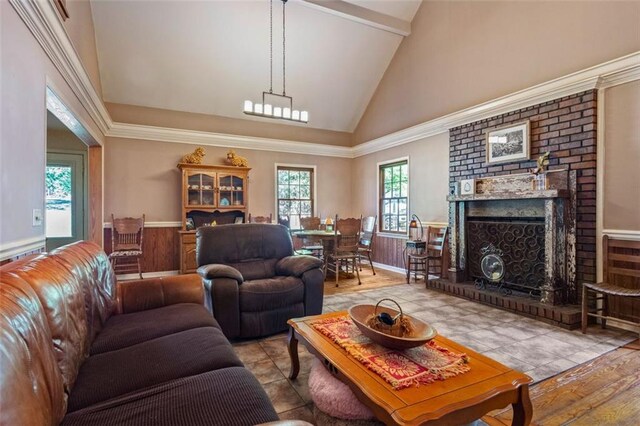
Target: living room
416 88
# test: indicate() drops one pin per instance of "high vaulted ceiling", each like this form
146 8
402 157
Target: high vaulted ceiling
209 56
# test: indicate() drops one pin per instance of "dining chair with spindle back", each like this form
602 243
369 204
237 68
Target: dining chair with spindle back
312 246
422 262
345 248
365 244
126 243
260 219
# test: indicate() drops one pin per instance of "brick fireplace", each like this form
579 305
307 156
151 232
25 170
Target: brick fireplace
533 231
565 127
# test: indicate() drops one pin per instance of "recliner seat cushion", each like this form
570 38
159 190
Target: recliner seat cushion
115 373
270 294
126 330
229 396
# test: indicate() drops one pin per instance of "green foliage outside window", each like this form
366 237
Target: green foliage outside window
394 196
58 182
295 194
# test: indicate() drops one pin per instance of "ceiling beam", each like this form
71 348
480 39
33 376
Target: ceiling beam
360 14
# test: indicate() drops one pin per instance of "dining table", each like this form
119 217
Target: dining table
326 238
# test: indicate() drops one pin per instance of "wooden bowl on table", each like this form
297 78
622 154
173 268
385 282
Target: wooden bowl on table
422 332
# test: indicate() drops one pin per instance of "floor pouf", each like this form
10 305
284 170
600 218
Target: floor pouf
335 404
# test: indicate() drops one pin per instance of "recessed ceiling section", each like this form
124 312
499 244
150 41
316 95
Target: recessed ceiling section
208 57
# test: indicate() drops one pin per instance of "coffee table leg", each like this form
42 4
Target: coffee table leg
522 410
293 354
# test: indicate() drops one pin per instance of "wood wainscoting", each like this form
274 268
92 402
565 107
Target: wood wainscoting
390 251
160 248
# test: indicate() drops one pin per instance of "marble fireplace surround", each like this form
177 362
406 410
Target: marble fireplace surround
512 197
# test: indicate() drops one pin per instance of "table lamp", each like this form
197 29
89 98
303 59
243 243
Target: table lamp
415 220
328 224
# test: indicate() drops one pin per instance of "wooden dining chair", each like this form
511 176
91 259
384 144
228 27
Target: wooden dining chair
312 246
365 244
620 285
432 257
126 244
345 248
260 219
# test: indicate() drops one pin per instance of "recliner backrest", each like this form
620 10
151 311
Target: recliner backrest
252 247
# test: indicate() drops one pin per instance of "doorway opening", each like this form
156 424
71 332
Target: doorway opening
66 185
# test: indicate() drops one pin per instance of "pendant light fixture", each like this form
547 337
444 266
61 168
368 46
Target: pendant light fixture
265 109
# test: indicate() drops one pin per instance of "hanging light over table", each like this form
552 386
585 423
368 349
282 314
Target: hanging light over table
267 110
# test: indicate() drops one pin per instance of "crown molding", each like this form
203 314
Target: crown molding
20 247
44 22
622 234
165 134
611 73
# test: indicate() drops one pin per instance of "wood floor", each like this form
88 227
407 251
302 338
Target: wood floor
349 284
605 391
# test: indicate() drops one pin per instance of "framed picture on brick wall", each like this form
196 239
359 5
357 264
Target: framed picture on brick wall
508 143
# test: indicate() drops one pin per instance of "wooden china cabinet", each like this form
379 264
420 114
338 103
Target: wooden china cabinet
211 195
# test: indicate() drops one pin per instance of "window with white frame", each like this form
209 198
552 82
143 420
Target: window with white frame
295 193
394 196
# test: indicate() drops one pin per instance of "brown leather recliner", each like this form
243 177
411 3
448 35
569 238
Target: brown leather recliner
255 282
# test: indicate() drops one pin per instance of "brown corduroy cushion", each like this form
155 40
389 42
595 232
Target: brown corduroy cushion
125 330
150 363
229 396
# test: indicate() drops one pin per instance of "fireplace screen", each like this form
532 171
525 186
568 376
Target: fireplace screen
521 248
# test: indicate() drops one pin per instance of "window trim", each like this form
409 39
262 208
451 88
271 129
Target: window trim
314 189
396 234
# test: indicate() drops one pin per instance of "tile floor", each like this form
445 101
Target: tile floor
534 347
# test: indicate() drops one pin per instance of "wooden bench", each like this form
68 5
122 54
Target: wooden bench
621 274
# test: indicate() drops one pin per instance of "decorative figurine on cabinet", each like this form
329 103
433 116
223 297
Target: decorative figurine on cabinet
195 157
236 160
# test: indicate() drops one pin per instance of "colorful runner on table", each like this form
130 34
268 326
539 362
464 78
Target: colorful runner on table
401 369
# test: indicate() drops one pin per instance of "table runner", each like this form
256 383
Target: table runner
401 369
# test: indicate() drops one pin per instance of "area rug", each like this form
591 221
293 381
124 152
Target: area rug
401 369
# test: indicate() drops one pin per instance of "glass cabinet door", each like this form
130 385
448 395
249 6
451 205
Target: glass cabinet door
231 189
200 189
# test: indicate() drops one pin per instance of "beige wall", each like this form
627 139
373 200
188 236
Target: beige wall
622 157
265 128
80 29
428 178
141 177
23 81
461 53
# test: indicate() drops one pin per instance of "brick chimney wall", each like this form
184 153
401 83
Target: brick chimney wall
567 128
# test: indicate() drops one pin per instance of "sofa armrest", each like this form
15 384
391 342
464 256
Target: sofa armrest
215 270
151 293
297 265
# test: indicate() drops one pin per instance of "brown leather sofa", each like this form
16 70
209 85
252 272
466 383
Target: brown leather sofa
255 282
73 353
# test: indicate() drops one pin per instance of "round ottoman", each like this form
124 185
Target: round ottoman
334 403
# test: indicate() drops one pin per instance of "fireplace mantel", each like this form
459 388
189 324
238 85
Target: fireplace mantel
520 195
558 206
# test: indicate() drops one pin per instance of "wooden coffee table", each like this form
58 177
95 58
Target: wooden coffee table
457 400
